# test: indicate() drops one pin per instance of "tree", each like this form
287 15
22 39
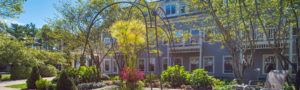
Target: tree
130 38
11 8
34 76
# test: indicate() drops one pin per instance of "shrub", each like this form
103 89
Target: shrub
42 84
85 74
104 77
47 70
0 76
65 83
34 76
20 72
131 75
175 75
153 77
87 86
200 78
116 78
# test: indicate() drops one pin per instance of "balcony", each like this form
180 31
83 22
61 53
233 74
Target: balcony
265 45
185 48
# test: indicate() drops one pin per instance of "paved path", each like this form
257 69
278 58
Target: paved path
13 82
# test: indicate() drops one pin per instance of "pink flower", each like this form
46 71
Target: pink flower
131 74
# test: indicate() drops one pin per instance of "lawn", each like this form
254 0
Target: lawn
18 86
5 76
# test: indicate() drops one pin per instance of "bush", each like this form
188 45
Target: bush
87 86
104 77
47 70
34 76
42 84
65 83
175 75
88 74
199 78
153 77
20 72
116 78
0 76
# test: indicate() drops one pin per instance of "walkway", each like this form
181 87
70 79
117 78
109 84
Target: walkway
13 82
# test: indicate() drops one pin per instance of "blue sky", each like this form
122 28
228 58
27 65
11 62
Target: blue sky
35 11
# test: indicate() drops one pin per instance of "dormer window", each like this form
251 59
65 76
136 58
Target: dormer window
170 9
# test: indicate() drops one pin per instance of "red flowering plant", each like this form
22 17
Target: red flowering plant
131 74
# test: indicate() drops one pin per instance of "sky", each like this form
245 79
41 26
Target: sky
36 12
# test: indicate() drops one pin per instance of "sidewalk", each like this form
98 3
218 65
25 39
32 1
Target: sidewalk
13 82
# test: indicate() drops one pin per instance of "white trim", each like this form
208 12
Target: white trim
138 63
263 62
109 65
190 64
153 64
213 58
162 68
112 64
224 63
181 58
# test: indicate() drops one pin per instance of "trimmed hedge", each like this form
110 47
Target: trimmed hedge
34 76
65 83
47 70
20 72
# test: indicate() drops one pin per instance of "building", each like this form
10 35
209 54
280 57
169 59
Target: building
198 51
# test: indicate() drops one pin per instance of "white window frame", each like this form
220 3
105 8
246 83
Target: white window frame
190 67
114 61
109 65
138 61
263 62
148 65
181 58
213 61
193 29
223 64
163 63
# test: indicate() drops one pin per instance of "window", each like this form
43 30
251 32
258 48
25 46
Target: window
258 35
165 63
182 9
227 63
195 36
194 63
106 65
151 65
178 61
270 33
295 63
107 40
115 66
141 64
170 9
208 64
268 62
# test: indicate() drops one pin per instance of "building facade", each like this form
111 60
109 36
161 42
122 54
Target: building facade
198 51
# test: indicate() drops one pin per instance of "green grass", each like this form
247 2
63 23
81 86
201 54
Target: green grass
5 76
18 86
